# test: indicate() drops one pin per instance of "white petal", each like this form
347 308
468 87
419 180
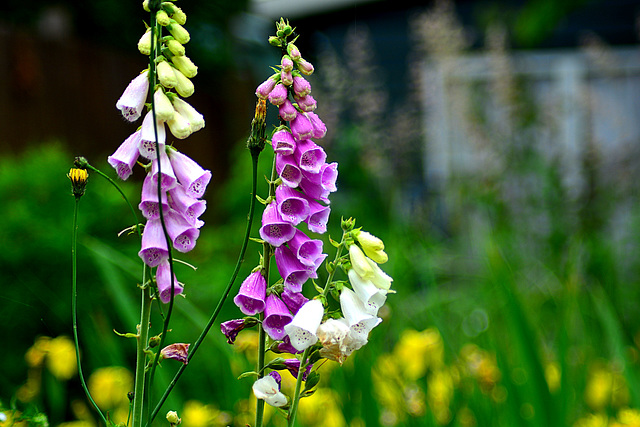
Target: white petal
354 311
371 296
303 327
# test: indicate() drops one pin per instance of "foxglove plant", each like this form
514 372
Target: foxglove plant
299 189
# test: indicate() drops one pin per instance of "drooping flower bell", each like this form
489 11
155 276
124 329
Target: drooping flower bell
126 156
276 316
251 296
267 388
164 280
303 327
134 96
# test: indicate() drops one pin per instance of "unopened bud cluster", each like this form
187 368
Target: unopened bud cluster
181 181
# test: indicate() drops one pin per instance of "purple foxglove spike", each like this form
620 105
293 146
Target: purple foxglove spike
293 366
285 347
283 143
306 249
132 100
182 234
293 300
301 86
288 170
287 111
252 293
291 205
291 270
319 128
154 245
148 137
278 94
275 230
126 156
168 179
276 316
265 88
318 216
149 205
286 77
303 326
163 280
231 329
309 156
190 174
313 190
191 208
307 104
326 178
301 127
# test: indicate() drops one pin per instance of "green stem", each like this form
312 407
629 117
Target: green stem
335 265
74 307
254 156
142 339
296 394
261 353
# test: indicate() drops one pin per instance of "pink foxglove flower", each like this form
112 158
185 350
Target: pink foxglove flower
314 189
231 328
167 177
293 366
154 245
304 66
301 127
288 170
163 280
126 156
149 205
306 250
278 94
301 86
303 327
265 88
286 77
276 316
182 233
293 300
267 388
177 351
283 143
190 207
252 294
286 63
294 273
148 137
292 206
309 156
307 103
326 178
319 128
132 100
275 230
285 347
318 216
191 175
294 52
287 111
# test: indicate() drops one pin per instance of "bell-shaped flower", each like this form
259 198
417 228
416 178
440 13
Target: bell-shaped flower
164 109
126 156
267 388
303 326
371 296
283 143
165 172
195 119
276 317
333 334
287 111
361 322
318 216
251 296
166 75
307 250
314 190
182 233
154 245
163 280
134 96
275 230
190 174
148 136
288 170
307 103
326 178
231 328
179 126
301 127
177 351
293 366
381 279
309 156
372 246
144 44
149 205
294 273
183 85
185 65
359 263
265 88
190 207
319 128
301 87
293 300
292 206
278 94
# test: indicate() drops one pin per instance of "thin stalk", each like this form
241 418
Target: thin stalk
296 393
254 156
74 307
142 339
335 261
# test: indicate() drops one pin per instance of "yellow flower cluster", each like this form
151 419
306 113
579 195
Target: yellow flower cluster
109 387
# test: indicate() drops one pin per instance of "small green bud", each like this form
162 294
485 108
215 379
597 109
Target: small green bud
348 224
172 417
275 41
162 18
175 47
184 64
145 6
178 32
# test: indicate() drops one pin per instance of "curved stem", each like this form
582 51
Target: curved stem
296 393
254 156
74 307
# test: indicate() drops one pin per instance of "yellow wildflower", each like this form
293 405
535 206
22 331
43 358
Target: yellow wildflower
61 360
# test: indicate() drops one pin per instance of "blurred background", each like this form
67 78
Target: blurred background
492 144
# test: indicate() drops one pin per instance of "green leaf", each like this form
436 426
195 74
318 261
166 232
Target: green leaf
312 380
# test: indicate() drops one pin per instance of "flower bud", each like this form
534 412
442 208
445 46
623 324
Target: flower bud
293 52
166 75
183 86
184 64
175 47
179 126
286 63
173 419
195 119
178 15
145 6
286 78
305 67
144 44
162 18
78 179
275 41
164 109
265 88
178 32
359 263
